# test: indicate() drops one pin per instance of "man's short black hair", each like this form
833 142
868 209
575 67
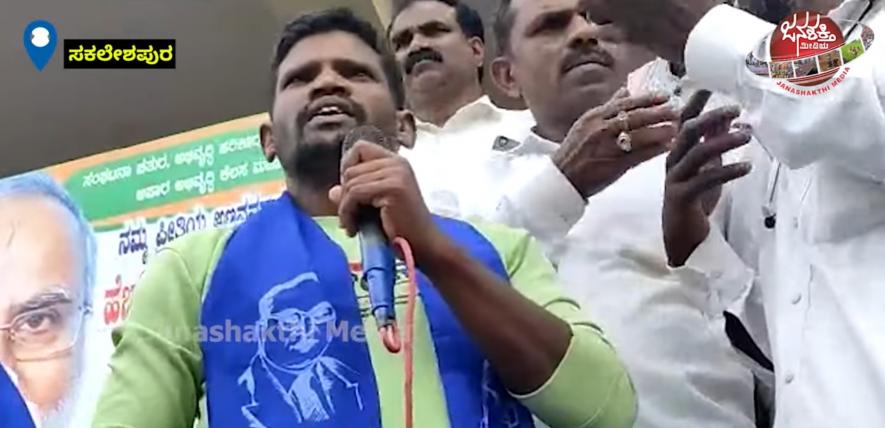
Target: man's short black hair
468 19
505 18
339 19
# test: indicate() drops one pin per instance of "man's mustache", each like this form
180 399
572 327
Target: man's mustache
587 53
420 55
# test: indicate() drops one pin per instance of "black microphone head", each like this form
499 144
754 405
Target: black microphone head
368 216
370 133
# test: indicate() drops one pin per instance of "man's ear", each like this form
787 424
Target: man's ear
479 51
405 128
502 74
268 144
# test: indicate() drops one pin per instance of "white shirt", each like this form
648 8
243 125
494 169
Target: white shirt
610 256
449 161
819 276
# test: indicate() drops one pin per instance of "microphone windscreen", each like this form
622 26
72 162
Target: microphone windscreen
369 133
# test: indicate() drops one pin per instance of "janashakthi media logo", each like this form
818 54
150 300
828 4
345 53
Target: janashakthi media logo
809 54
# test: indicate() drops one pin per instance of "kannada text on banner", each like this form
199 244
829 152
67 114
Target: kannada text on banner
140 199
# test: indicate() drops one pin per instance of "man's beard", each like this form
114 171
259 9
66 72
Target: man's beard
62 413
317 159
318 164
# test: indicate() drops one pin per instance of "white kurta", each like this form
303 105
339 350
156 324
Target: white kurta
609 253
448 160
815 301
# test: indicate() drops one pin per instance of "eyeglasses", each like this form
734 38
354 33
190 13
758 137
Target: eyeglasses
45 332
293 321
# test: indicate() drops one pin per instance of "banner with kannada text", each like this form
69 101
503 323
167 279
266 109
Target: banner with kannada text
136 200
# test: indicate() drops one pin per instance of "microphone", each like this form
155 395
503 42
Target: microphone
377 257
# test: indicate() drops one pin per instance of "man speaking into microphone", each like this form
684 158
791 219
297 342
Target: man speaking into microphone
495 340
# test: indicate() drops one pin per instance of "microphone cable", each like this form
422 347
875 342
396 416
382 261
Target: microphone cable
390 335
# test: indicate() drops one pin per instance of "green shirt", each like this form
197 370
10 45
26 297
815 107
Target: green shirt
156 378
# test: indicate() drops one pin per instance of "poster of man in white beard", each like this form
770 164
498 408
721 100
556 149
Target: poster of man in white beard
47 260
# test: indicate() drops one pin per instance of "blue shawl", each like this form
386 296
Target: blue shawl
284 279
14 412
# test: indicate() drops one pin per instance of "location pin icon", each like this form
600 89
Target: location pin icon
40 40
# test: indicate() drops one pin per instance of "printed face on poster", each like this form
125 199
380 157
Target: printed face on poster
76 237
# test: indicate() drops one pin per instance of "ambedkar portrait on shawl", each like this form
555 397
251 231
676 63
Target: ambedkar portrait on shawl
293 367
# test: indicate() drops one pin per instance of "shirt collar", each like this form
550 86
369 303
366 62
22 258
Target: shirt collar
483 109
530 144
535 143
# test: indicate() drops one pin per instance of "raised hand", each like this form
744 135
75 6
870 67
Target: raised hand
590 156
695 176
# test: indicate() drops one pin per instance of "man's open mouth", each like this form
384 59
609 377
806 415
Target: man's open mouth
333 110
330 112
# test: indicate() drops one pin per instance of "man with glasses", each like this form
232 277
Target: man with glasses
47 254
